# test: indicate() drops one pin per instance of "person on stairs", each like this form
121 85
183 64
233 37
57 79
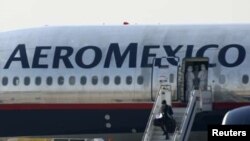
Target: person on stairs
167 114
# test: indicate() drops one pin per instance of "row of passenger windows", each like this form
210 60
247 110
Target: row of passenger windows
244 79
72 80
94 80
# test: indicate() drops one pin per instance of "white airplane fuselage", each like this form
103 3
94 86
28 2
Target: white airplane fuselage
103 74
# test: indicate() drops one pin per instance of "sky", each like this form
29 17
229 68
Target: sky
15 14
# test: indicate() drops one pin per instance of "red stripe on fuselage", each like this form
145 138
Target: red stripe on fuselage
109 106
95 106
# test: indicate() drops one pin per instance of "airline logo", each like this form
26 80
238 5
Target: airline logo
64 53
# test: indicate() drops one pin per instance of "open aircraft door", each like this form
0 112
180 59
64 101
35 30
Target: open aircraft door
197 67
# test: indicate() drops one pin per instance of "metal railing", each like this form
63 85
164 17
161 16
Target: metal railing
183 133
155 110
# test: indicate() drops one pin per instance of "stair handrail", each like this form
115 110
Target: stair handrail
148 130
184 128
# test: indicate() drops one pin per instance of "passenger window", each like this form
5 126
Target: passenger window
26 80
129 80
94 80
83 80
72 80
38 80
171 78
245 79
105 80
15 81
60 80
49 80
5 81
222 79
140 80
117 80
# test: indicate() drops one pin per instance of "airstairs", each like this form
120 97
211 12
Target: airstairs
154 133
198 101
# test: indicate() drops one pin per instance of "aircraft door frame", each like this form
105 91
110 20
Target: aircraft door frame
195 63
157 63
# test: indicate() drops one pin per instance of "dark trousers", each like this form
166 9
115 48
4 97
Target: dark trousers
164 128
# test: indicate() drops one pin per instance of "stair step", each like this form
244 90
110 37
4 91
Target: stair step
160 138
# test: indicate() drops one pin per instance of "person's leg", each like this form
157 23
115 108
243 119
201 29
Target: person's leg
163 129
166 133
167 136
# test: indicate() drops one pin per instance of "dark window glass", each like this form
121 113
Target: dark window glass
5 81
94 80
38 80
72 80
171 78
26 80
129 80
60 80
15 81
49 80
140 80
105 80
83 80
117 80
245 79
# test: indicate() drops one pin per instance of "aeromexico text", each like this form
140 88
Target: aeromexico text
67 54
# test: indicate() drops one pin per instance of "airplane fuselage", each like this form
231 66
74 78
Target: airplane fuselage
94 71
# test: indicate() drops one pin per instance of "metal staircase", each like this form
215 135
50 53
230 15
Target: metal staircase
158 135
184 116
188 117
154 133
